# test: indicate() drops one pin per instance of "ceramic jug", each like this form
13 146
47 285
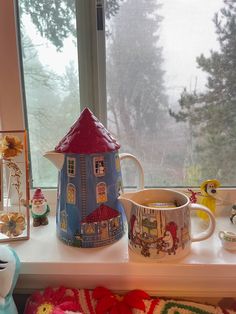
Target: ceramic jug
159 223
90 182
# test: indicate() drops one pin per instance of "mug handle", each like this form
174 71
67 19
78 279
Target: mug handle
212 223
141 173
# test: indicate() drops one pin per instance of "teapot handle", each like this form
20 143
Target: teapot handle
141 172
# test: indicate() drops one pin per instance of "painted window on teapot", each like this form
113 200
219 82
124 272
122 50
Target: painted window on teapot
71 194
104 230
101 192
89 228
71 166
99 166
115 223
63 221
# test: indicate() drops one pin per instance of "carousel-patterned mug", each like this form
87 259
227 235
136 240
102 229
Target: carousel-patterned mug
159 223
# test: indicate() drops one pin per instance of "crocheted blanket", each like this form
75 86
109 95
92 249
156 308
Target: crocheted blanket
104 301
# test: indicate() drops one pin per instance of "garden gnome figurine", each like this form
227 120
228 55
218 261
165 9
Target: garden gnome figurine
39 209
9 271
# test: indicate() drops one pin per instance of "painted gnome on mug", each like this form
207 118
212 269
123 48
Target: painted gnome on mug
88 211
39 209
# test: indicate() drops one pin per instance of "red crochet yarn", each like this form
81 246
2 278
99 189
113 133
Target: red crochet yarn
108 302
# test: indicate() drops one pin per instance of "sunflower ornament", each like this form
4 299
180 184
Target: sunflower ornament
11 146
12 224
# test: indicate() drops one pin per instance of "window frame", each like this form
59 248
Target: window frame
92 71
91 62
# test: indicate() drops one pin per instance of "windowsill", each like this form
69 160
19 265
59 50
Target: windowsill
208 271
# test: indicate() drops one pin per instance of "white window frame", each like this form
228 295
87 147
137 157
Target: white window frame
91 64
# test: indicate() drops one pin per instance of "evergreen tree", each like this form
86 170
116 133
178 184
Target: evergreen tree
55 20
42 106
70 103
212 113
136 94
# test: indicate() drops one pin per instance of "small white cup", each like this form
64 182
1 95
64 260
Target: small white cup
228 240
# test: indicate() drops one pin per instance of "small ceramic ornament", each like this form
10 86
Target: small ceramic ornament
208 196
233 214
228 240
9 271
39 209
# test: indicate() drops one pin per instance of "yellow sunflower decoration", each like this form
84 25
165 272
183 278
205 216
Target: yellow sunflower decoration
10 146
12 224
45 308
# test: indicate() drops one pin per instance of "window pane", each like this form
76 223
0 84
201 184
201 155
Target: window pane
50 68
171 76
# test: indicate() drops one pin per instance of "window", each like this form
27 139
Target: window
99 166
171 88
71 193
56 50
71 166
170 84
63 221
101 192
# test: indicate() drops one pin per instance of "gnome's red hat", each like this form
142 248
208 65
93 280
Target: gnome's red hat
38 195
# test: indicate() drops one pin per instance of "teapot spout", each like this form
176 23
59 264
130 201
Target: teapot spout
126 203
56 158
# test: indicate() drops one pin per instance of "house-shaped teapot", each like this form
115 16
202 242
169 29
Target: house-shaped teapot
88 211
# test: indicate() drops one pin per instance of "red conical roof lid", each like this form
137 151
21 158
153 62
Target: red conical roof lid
86 136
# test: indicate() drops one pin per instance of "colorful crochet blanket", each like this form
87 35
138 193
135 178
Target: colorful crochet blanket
103 301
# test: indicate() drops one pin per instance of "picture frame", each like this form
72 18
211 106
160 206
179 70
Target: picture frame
14 186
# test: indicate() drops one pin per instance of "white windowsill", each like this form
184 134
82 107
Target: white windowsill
208 271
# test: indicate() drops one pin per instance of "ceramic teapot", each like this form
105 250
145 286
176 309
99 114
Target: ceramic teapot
159 223
90 182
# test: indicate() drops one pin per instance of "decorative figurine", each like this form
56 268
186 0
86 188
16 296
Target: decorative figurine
208 196
228 240
39 209
9 271
233 214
